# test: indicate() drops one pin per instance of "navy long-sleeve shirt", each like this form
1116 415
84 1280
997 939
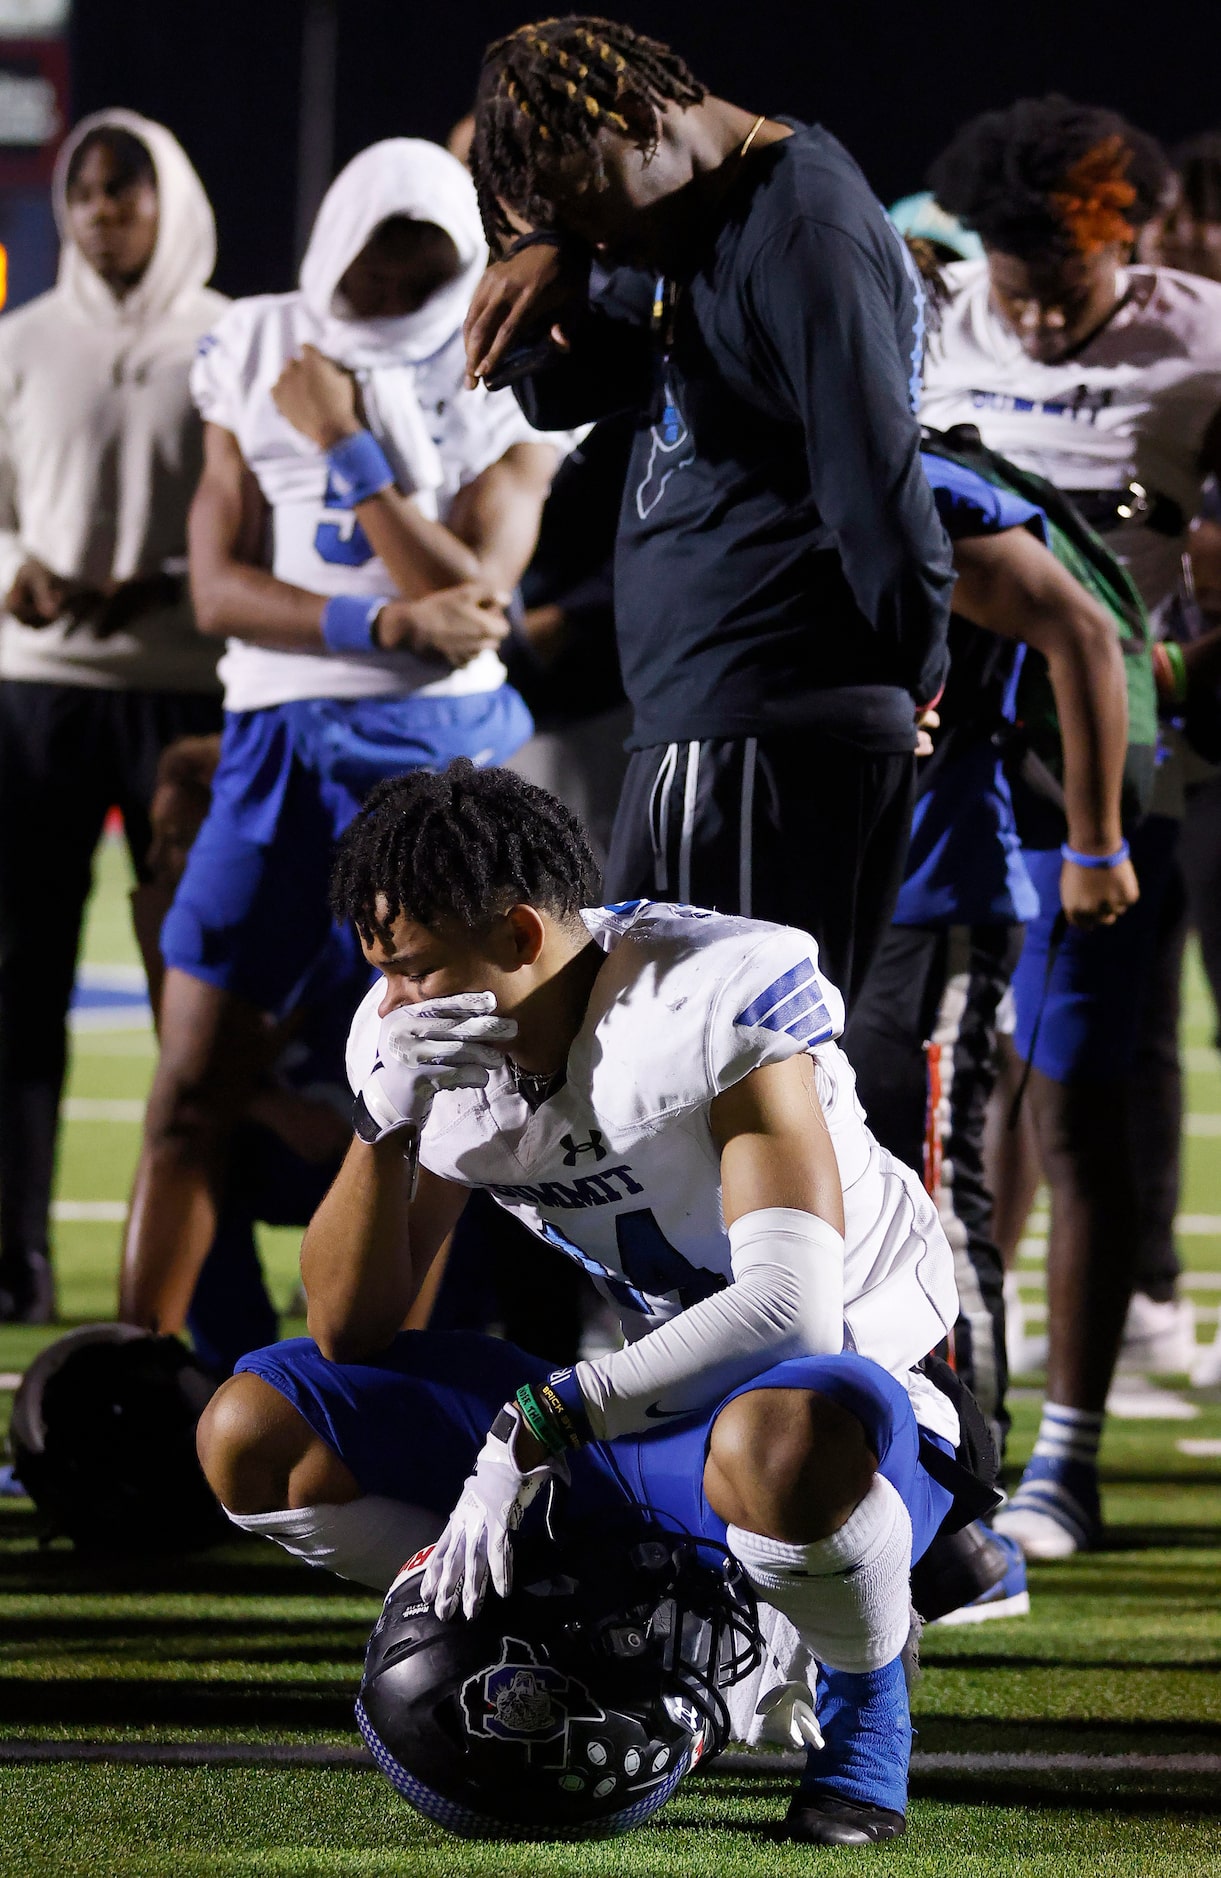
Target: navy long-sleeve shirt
779 561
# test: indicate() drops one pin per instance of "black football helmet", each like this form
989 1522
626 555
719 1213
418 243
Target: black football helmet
103 1441
572 1708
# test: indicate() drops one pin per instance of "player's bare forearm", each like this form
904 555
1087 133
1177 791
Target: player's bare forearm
233 596
1013 586
489 536
775 1146
367 1250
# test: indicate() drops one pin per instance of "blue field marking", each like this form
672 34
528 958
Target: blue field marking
110 997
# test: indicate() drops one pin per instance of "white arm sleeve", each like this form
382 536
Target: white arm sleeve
786 1299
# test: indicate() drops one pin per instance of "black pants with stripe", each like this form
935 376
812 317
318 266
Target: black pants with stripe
943 985
798 828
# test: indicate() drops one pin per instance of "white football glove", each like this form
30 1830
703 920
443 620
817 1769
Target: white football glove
444 1044
477 1538
790 1720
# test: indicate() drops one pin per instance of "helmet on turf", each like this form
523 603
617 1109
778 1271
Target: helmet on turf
103 1440
571 1709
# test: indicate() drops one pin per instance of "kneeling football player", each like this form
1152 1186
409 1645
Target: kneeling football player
657 1091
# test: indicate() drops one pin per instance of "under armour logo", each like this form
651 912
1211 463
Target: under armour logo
572 1148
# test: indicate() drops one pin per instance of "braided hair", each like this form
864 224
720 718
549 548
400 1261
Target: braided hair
1050 179
544 94
465 844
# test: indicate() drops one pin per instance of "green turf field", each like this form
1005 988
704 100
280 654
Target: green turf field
1083 1739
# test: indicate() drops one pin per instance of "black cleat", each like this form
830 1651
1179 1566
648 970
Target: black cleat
958 1568
826 1819
27 1291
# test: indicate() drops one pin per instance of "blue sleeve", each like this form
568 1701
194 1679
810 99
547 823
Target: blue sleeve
970 505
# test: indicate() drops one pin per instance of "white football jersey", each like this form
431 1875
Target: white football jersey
1132 405
315 543
619 1168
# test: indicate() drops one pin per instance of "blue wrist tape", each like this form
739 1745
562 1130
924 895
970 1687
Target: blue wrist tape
1095 860
348 620
358 469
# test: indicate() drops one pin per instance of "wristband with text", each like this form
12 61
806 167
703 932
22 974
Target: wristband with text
1095 860
349 621
358 470
541 1420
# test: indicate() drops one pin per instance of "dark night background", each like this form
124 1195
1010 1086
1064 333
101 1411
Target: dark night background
891 80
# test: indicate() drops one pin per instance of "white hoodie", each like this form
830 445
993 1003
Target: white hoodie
100 446
436 435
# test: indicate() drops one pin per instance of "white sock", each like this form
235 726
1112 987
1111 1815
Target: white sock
369 1539
1069 1434
847 1595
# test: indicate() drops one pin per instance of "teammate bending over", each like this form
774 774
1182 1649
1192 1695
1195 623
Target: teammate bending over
656 1090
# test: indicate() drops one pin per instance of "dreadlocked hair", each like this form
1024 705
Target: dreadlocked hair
544 94
1049 179
465 844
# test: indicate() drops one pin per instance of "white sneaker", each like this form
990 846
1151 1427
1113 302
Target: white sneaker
1159 1339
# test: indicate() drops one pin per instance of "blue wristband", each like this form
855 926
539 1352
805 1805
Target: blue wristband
358 469
564 1387
348 620
1095 860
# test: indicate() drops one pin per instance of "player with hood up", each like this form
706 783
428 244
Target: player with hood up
360 525
100 663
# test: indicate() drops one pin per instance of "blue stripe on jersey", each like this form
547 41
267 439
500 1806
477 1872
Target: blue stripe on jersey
793 1005
816 1028
781 988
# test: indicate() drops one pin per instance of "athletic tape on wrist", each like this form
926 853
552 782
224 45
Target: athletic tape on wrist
348 622
358 469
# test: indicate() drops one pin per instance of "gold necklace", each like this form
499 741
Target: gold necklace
752 133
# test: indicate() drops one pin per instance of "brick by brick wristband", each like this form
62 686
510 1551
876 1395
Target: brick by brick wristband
349 621
540 1421
358 469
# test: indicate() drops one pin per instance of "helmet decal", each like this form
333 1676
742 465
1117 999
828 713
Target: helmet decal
522 1698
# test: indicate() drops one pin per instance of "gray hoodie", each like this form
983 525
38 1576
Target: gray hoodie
100 444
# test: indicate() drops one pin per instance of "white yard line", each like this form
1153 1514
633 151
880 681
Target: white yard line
101 1109
1202 1124
110 1211
110 1018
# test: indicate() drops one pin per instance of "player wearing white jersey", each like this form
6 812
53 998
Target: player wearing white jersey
656 1090
1105 378
361 522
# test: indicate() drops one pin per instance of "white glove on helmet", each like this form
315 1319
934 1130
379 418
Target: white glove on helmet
477 1538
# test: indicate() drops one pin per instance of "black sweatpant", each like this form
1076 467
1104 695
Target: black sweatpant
68 753
799 828
943 985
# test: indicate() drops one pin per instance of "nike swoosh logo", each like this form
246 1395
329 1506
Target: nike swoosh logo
655 1414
